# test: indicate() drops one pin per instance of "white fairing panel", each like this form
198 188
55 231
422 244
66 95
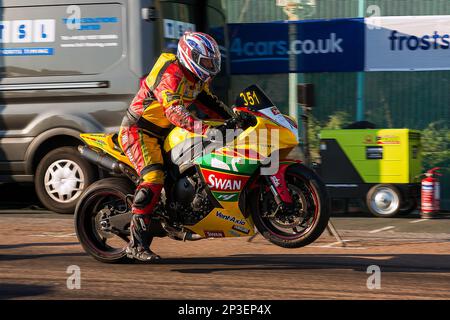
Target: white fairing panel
275 115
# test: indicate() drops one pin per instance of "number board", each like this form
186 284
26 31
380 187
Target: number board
253 98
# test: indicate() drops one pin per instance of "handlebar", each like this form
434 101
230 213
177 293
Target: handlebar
241 119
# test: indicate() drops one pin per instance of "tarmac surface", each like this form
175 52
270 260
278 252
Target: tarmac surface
38 249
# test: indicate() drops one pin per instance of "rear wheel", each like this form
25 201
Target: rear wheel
305 221
102 219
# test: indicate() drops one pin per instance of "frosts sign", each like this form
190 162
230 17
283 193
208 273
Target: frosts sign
407 43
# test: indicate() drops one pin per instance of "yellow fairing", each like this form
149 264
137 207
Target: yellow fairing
224 223
105 143
266 137
178 135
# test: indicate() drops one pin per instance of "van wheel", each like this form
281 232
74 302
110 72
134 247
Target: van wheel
384 200
61 177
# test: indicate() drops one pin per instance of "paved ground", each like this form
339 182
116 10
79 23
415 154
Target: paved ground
36 248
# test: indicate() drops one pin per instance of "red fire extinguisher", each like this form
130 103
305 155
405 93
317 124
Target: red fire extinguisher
430 193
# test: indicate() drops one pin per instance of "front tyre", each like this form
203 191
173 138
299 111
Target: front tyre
303 223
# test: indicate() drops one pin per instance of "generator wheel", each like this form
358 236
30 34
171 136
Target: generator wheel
384 200
408 206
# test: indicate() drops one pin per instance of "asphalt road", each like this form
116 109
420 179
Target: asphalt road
38 247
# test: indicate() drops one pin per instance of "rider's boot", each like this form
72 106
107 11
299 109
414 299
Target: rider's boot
141 239
145 200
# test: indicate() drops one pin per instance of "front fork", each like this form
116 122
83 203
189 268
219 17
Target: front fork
278 187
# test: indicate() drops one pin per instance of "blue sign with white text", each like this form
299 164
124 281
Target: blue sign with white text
26 51
297 46
258 48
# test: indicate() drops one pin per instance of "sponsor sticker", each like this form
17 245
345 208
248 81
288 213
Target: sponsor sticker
276 181
241 229
388 139
275 111
227 197
224 182
214 234
369 139
229 218
234 233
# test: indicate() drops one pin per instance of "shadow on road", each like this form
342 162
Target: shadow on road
18 196
14 290
13 257
356 262
37 244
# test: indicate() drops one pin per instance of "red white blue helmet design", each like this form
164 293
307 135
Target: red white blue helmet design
200 54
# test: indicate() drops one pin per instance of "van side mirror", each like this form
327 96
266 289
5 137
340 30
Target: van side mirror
149 14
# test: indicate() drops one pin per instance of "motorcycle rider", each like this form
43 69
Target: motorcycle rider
174 83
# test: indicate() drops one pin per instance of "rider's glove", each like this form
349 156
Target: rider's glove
219 133
216 133
247 120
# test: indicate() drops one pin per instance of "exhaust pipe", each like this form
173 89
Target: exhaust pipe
101 159
189 236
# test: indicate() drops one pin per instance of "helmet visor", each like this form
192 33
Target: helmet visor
210 64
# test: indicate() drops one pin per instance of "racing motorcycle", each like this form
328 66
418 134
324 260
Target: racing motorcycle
214 188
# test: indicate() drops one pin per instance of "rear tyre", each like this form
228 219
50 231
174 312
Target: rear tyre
61 177
306 222
384 200
107 197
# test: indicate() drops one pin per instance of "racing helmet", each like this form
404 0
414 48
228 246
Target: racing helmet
200 54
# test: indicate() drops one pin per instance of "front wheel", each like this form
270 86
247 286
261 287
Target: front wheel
303 222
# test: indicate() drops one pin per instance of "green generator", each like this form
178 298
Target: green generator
379 166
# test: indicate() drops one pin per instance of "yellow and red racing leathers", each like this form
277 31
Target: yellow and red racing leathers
161 102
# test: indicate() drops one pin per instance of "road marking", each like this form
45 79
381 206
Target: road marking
54 235
335 243
344 248
419 220
382 229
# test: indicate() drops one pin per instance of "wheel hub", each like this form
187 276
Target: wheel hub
292 217
64 181
385 201
102 223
